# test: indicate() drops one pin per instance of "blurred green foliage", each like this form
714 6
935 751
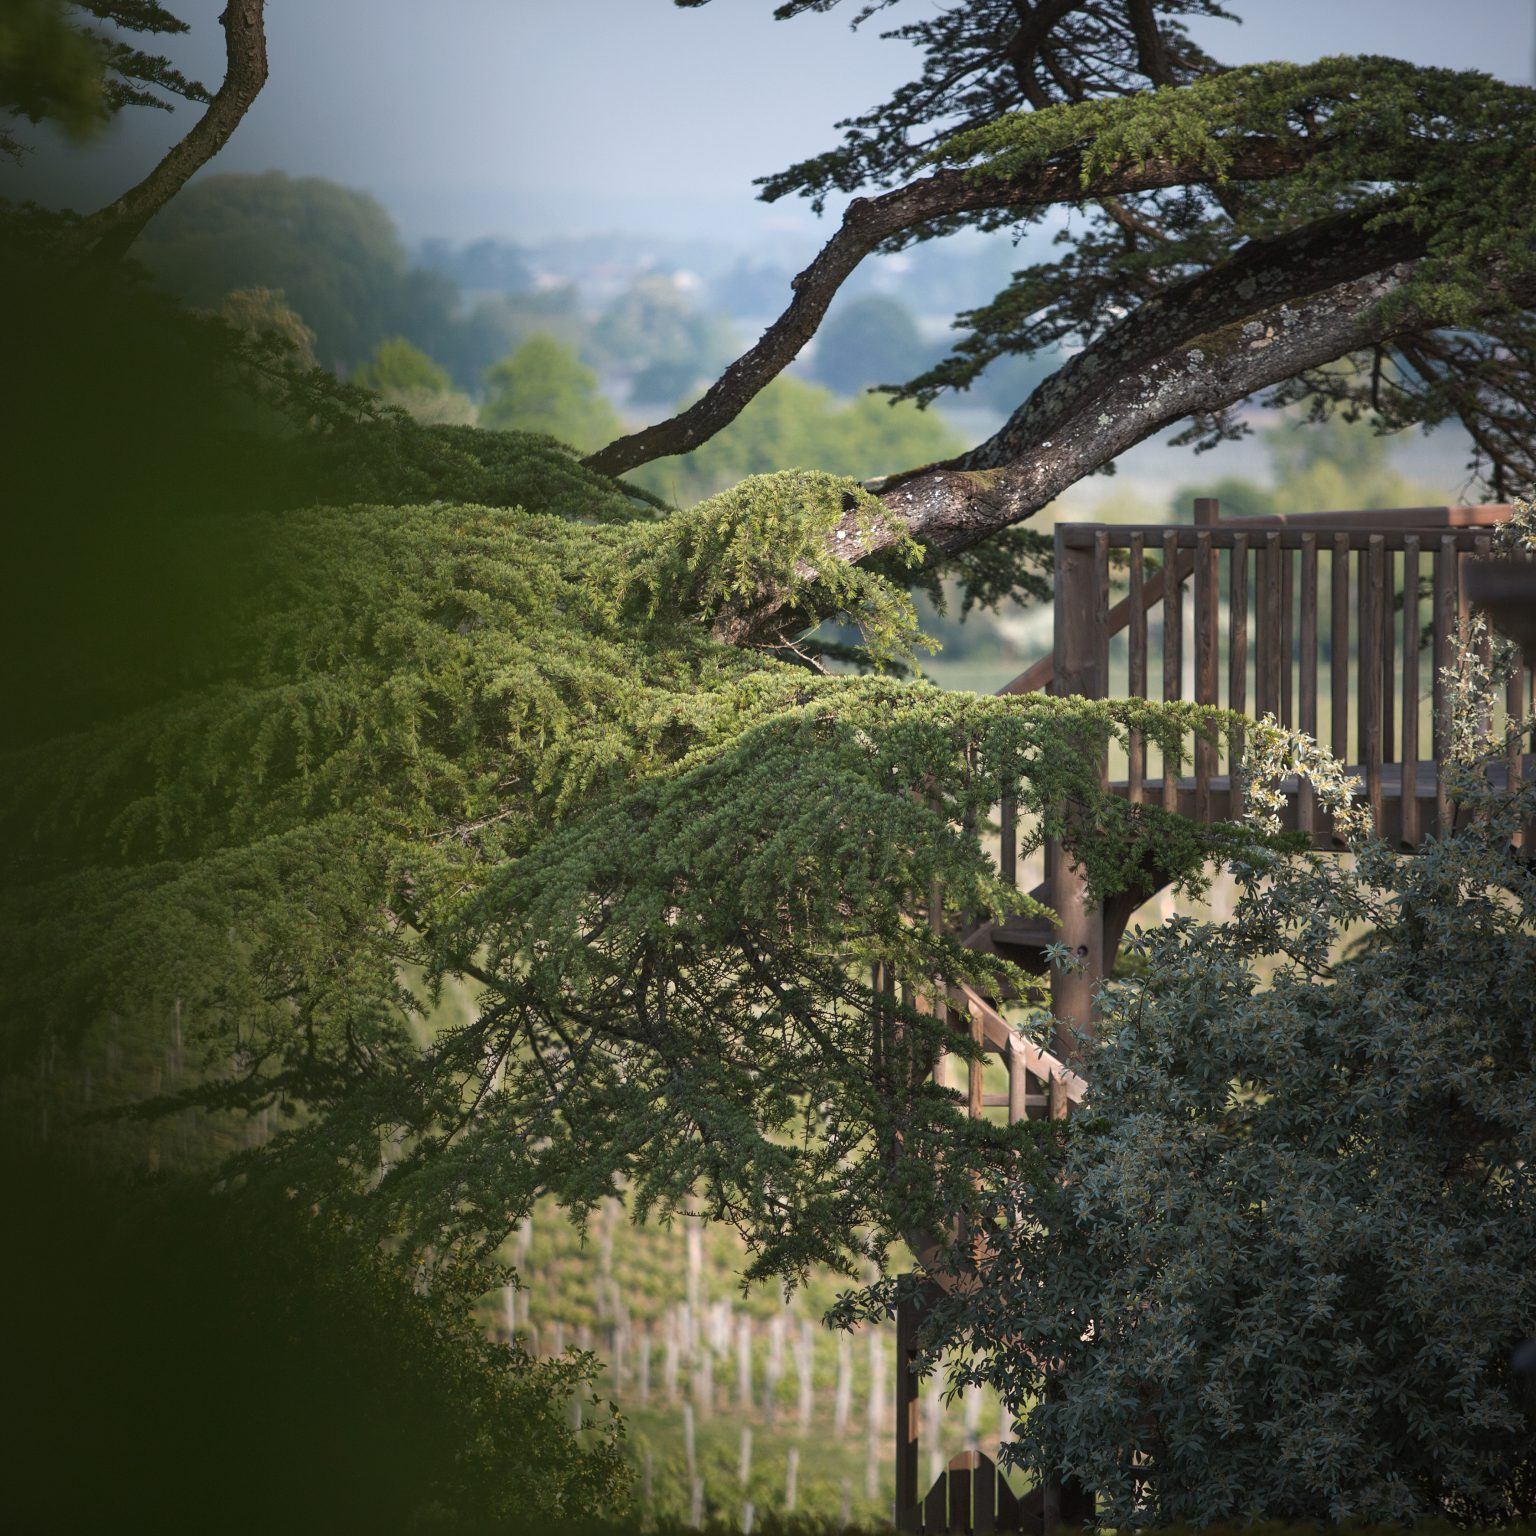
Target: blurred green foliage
545 387
868 341
334 252
57 67
792 423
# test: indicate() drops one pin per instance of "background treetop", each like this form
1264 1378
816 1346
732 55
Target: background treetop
984 59
56 66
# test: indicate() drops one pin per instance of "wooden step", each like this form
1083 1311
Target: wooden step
1022 940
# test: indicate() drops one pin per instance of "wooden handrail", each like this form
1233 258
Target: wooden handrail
1358 525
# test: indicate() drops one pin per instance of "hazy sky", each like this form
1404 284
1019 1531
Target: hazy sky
537 118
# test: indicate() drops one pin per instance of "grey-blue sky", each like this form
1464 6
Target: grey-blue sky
539 118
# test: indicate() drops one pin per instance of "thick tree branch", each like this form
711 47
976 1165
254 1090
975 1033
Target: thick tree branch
952 508
1255 278
871 221
1151 54
110 231
1035 24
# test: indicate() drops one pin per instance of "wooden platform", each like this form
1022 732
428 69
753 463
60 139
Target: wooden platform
1425 789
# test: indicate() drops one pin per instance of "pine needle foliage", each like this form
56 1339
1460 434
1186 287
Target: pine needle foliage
1442 156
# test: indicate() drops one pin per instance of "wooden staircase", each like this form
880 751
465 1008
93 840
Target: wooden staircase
1336 624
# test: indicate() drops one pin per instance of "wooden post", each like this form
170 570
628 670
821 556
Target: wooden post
1207 682
1306 809
908 1407
1079 644
1237 661
1408 801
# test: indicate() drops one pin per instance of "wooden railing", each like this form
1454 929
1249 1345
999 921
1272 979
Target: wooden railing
1337 624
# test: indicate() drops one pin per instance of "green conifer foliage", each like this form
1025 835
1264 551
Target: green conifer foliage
499 743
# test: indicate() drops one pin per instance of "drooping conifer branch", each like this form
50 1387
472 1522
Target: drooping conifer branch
111 230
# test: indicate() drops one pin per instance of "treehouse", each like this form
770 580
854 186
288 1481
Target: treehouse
1338 624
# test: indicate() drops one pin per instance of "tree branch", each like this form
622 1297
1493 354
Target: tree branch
869 222
1255 278
1151 54
951 508
110 231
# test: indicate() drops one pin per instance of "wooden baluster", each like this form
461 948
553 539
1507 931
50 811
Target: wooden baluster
1362 613
1483 548
1514 701
1338 643
1018 1084
1446 607
974 1107
1080 643
1267 650
1173 659
1372 587
1306 810
1237 660
908 1510
1389 659
1136 682
1207 682
1287 641
1408 819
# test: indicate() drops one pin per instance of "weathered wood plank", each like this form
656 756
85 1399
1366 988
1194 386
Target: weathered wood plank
1447 603
936 1505
1409 819
961 1476
1173 658
1237 657
1136 668
1207 682
1307 802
